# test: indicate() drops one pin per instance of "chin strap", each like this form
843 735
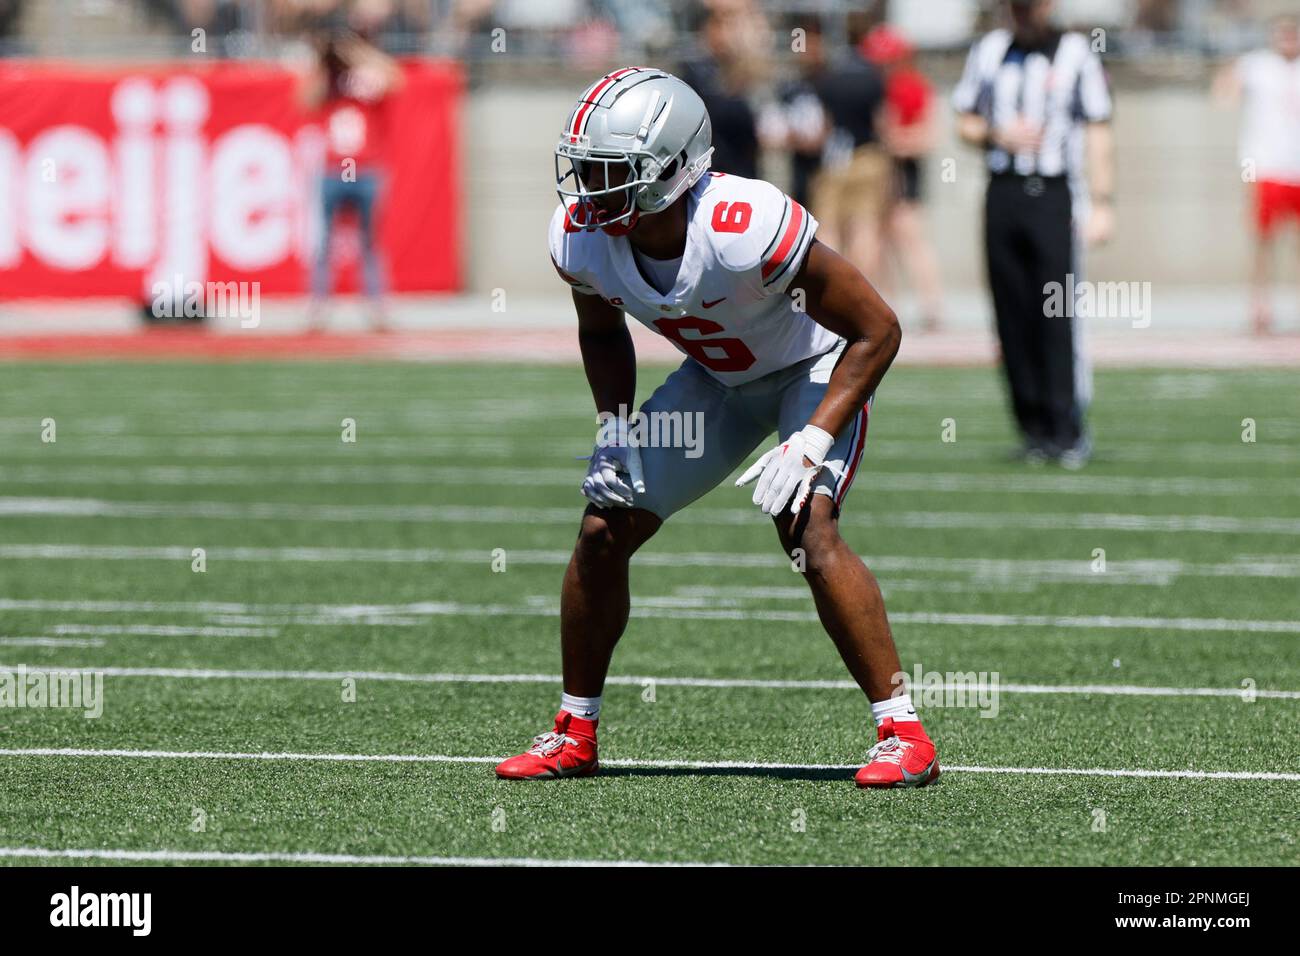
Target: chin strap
623 228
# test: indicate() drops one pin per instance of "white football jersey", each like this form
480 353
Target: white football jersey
728 310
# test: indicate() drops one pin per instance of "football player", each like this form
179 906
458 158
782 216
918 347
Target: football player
779 332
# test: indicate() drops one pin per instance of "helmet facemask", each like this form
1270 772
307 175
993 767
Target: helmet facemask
613 175
645 184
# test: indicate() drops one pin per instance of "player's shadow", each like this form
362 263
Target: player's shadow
775 773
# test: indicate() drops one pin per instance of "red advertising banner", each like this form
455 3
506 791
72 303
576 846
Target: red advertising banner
114 179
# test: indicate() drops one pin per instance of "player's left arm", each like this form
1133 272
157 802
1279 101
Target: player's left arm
836 295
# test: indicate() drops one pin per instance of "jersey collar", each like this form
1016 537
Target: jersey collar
675 300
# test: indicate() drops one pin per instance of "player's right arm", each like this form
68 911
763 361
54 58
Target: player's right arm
609 358
608 355
607 352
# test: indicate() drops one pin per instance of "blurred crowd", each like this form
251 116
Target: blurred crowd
591 29
232 26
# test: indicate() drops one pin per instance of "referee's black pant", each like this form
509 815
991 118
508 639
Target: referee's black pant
1029 241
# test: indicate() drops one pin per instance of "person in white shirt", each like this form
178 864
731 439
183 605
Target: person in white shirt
1266 84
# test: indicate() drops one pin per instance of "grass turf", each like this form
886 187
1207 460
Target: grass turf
376 556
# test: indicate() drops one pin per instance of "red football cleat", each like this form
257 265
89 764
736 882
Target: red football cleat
567 751
904 757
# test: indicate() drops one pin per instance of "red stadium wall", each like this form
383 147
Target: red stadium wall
112 179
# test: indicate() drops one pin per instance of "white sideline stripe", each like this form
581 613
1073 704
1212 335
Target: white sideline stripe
626 762
348 859
470 514
192 476
1141 571
402 615
630 680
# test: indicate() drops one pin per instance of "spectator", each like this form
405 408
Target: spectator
796 122
350 85
722 77
908 131
1267 85
850 191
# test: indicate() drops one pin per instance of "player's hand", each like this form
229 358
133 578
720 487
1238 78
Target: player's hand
614 475
786 473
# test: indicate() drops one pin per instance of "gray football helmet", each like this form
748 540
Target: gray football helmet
649 130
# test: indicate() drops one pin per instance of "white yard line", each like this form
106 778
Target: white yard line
162 630
344 859
1017 573
436 475
629 680
79 752
14 506
486 442
51 642
401 615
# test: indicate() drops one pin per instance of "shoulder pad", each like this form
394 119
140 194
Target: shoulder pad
740 217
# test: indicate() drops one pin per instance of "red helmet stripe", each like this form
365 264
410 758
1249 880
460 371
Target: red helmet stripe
590 98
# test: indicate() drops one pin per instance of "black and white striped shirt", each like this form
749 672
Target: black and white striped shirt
1059 85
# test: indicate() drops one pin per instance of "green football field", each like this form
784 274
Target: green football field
374 624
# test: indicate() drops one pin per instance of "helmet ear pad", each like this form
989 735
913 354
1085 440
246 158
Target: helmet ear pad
672 167
675 178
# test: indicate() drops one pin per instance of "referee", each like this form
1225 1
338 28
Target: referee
1035 100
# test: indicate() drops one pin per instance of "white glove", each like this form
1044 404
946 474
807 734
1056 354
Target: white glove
784 473
615 470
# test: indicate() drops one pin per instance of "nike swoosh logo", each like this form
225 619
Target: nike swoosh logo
709 305
917 777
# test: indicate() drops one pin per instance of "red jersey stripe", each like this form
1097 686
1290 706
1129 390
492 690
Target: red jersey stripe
861 443
787 241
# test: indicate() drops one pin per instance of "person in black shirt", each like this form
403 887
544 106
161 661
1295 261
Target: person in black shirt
850 193
719 78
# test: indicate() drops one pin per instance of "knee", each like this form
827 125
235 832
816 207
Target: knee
605 538
817 548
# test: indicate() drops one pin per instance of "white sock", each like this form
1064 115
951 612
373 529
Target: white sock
586 708
900 708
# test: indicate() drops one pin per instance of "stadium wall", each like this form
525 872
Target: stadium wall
1182 205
